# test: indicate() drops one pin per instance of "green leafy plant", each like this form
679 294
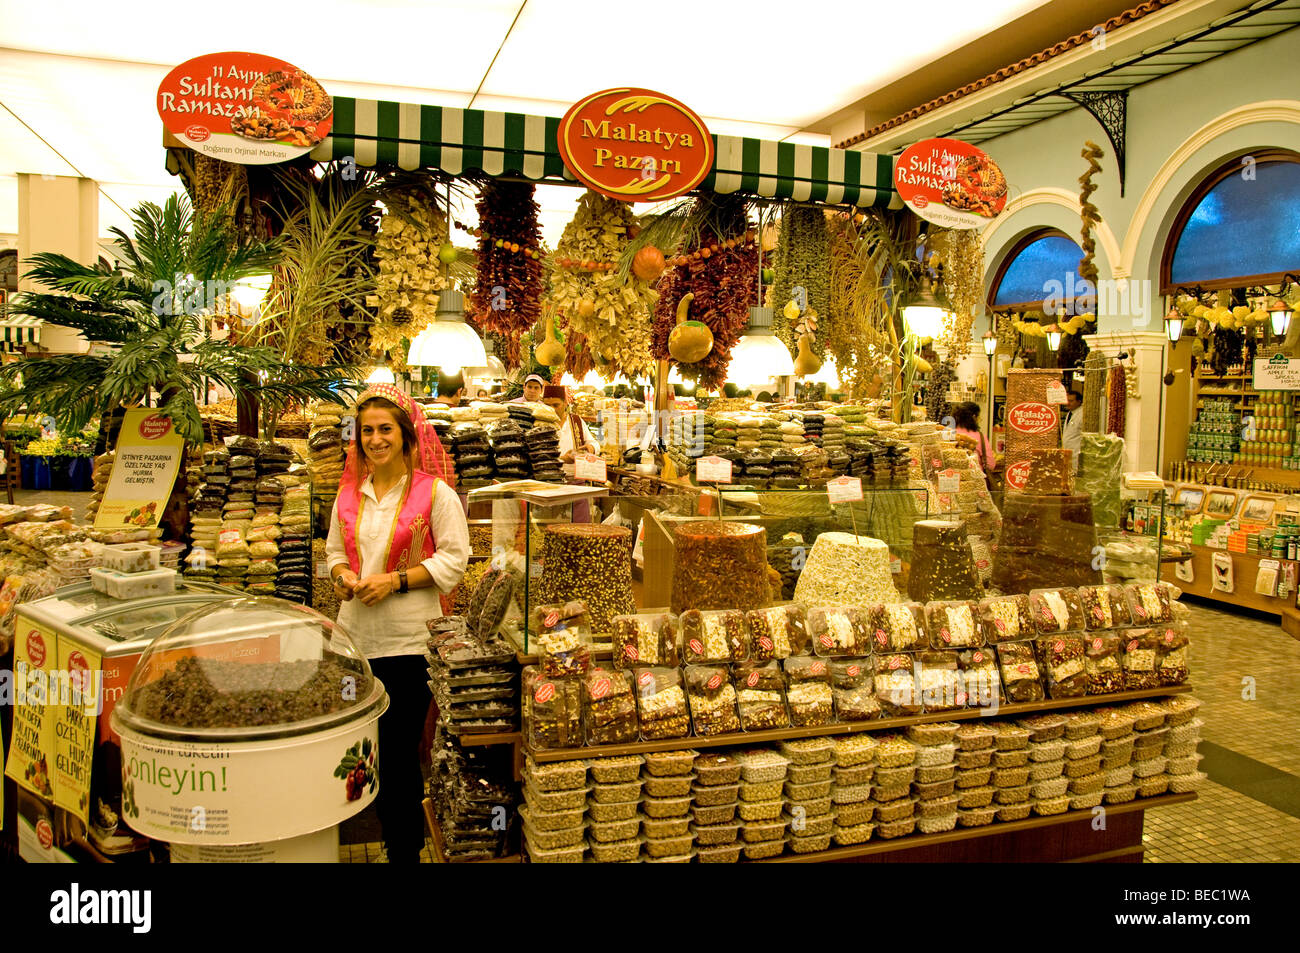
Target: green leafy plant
154 312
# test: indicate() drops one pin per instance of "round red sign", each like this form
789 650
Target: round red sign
635 145
36 649
245 107
45 833
950 183
155 427
1018 475
544 693
1032 417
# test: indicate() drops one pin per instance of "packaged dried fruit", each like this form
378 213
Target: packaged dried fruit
1006 619
1140 648
661 703
1171 653
777 632
953 625
838 631
941 685
647 638
563 637
609 707
1104 607
1056 610
712 699
1020 675
718 635
552 710
1062 660
1150 603
895 685
760 695
980 678
896 627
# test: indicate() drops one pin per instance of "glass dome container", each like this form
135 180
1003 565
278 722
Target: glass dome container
248 669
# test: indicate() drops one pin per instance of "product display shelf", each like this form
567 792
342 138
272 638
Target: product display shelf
490 739
440 855
922 842
1245 568
741 739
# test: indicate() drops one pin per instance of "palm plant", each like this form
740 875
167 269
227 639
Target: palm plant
178 271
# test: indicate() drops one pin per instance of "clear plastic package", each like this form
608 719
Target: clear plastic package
552 710
764 850
894 751
888 812
760 695
940 684
1184 731
1182 749
609 707
576 798
1047 750
714 814
855 749
857 704
1045 727
935 791
564 855
1150 767
810 703
760 790
719 854
613 770
709 835
1123 774
760 810
1150 603
1055 787
933 733
1180 709
656 807
1147 716
809 843
676 859
661 703
929 774
717 794
973 760
616 852
1087 783
675 786
1186 783
1104 607
1085 802
1171 653
551 820
1083 748
760 831
1062 660
892 829
810 809
668 846
1010 777
980 677
895 685
936 824
855 834
953 625
897 627
888 777
1014 812
1140 649
1046 770
563 637
850 815
714 768
810 773
761 765
665 763
805 823
140 585
1049 806
614 830
556 775
1010 736
808 792
839 631
972 736
555 839
1082 724
850 672
858 774
1012 795
617 811
1153 786
712 699
855 794
616 793
934 755
646 638
714 636
1056 610
973 777
1020 674
1006 619
1120 794
777 632
981 796
1116 723
1011 759
976 816
131 557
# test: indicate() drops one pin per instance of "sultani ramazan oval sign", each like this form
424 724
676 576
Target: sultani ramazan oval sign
950 183
635 145
1032 417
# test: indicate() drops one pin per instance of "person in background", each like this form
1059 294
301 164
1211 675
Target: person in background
965 417
451 389
574 436
397 539
483 394
533 386
1072 427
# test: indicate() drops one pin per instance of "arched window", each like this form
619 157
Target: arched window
1240 227
1043 266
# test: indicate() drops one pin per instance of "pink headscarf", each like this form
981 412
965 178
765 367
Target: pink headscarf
429 455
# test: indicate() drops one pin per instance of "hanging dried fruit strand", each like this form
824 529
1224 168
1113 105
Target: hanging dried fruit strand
802 261
1088 212
507 296
411 275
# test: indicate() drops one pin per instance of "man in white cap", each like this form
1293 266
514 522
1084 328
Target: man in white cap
533 386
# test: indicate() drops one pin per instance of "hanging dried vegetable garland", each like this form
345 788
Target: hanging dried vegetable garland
1118 401
802 261
864 250
721 270
1094 388
963 280
1088 212
411 275
507 296
606 318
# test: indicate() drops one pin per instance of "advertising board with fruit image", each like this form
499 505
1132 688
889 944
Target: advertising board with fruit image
32 740
245 107
148 459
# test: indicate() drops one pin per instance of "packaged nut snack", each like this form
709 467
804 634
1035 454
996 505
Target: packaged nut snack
853 750
897 627
777 632
609 707
563 855
858 774
1147 716
856 704
647 638
717 635
717 795
894 751
1006 619
974 737
661 703
1056 610
1181 709
550 821
976 817
1020 677
760 790
764 850
848 815
556 800
714 768
678 786
556 775
980 678
616 852
760 695
970 797
1062 660
940 684
713 700
1150 603
809 751
952 625
719 854
1046 770
758 831
896 810
1010 736
669 846
656 807
563 637
1011 759
1103 663
895 685
614 830
810 702
552 710
973 777
933 733
666 763
1104 607
850 672
618 793
1082 747
1045 727
1140 648
762 764
614 811
613 770
838 630
1171 653
799 774
808 823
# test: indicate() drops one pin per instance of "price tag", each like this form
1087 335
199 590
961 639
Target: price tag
713 470
322 570
949 481
588 466
844 489
1055 392
895 565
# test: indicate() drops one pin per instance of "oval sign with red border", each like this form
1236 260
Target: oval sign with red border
245 107
950 183
1018 475
155 427
635 145
1033 417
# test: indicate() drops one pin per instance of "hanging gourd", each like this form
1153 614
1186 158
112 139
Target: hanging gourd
648 264
690 341
550 352
806 362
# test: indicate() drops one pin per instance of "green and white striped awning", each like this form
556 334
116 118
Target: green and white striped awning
18 332
410 136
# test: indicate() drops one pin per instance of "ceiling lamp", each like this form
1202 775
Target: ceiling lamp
1174 325
1053 337
381 375
249 292
448 342
493 369
925 313
990 343
675 378
1279 317
759 356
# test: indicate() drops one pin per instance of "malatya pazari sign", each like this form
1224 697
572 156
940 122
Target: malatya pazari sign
635 145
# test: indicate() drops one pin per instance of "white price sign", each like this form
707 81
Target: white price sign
1278 372
844 489
949 481
713 470
1055 392
588 466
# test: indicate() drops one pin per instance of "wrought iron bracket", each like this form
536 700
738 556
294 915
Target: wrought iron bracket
1110 109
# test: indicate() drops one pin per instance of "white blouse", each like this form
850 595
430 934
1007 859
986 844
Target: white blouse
396 625
566 444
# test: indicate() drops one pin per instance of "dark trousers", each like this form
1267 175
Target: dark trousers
401 785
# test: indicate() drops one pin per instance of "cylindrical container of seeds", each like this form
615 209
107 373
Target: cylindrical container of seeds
590 562
720 565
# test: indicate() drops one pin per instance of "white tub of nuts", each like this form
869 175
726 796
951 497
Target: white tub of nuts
762 765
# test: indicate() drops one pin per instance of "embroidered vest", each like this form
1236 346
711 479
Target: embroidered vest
410 541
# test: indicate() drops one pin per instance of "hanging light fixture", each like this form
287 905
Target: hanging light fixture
493 369
675 377
1174 325
759 356
990 343
1053 332
448 342
925 314
381 375
1279 317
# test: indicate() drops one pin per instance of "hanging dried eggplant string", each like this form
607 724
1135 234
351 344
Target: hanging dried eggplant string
1115 419
1094 389
507 296
1088 213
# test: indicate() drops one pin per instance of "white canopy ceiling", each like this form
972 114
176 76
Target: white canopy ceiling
78 79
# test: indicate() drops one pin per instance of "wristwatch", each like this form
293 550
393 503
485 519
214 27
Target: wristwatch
402 584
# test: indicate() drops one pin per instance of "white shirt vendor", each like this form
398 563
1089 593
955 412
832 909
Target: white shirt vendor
1072 430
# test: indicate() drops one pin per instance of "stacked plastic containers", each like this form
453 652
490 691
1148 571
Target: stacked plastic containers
667 782
554 797
761 807
131 571
716 794
808 793
614 812
935 782
974 774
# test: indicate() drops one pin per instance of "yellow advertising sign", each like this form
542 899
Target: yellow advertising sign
78 684
35 655
149 453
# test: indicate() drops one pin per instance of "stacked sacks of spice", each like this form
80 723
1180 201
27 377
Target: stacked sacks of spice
792 433
472 453
543 445
522 414
264 532
326 445
833 436
813 423
205 514
294 580
769 433
99 479
787 468
510 452
726 432
755 469
748 432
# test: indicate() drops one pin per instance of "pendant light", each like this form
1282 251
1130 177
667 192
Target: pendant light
1279 317
493 369
1174 325
925 314
381 375
759 356
448 342
1053 332
990 343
